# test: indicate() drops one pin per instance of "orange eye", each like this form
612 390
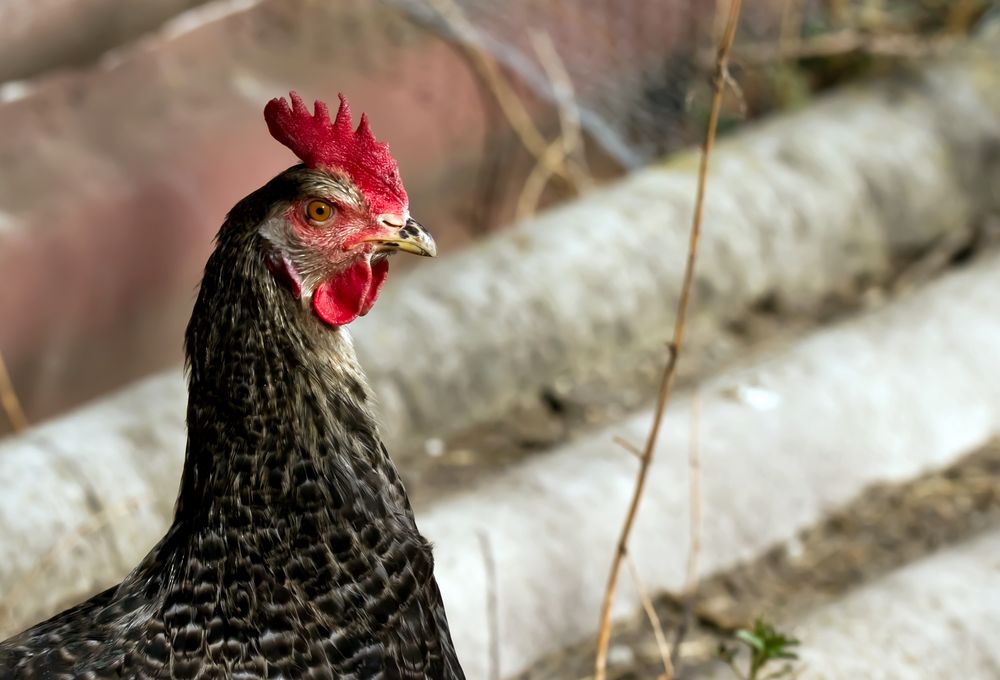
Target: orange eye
319 211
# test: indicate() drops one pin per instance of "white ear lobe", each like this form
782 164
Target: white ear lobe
285 273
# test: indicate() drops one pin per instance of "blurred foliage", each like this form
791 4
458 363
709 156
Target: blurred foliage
766 645
820 44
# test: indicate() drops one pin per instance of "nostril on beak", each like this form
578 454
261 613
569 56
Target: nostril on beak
408 236
415 232
391 221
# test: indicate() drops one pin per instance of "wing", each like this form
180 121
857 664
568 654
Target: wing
423 646
418 645
389 618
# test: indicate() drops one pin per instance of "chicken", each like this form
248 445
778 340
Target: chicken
293 552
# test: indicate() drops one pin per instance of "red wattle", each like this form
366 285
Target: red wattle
351 293
339 300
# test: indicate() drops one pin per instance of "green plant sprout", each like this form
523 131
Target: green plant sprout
766 645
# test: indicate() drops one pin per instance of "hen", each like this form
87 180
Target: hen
293 552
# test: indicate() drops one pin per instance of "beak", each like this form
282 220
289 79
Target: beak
411 237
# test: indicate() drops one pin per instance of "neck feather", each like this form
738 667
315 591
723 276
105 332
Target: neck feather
279 414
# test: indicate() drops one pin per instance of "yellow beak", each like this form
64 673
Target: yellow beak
410 238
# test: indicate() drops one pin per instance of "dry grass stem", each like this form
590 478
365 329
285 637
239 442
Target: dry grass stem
538 179
720 80
694 512
628 446
844 42
8 399
568 146
492 604
564 96
654 620
510 103
792 17
694 492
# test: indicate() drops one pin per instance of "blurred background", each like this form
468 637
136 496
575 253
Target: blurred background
828 463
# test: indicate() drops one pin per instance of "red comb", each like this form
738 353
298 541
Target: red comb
320 143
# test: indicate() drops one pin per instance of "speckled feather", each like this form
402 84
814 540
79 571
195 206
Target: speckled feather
294 552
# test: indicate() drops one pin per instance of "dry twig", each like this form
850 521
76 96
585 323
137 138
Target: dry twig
565 147
694 510
538 179
720 80
694 472
565 98
654 620
792 16
492 604
8 398
512 106
845 42
628 446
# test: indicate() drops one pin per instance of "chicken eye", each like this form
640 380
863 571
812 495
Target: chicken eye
319 212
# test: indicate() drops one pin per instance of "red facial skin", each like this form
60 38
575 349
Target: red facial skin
351 272
337 250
